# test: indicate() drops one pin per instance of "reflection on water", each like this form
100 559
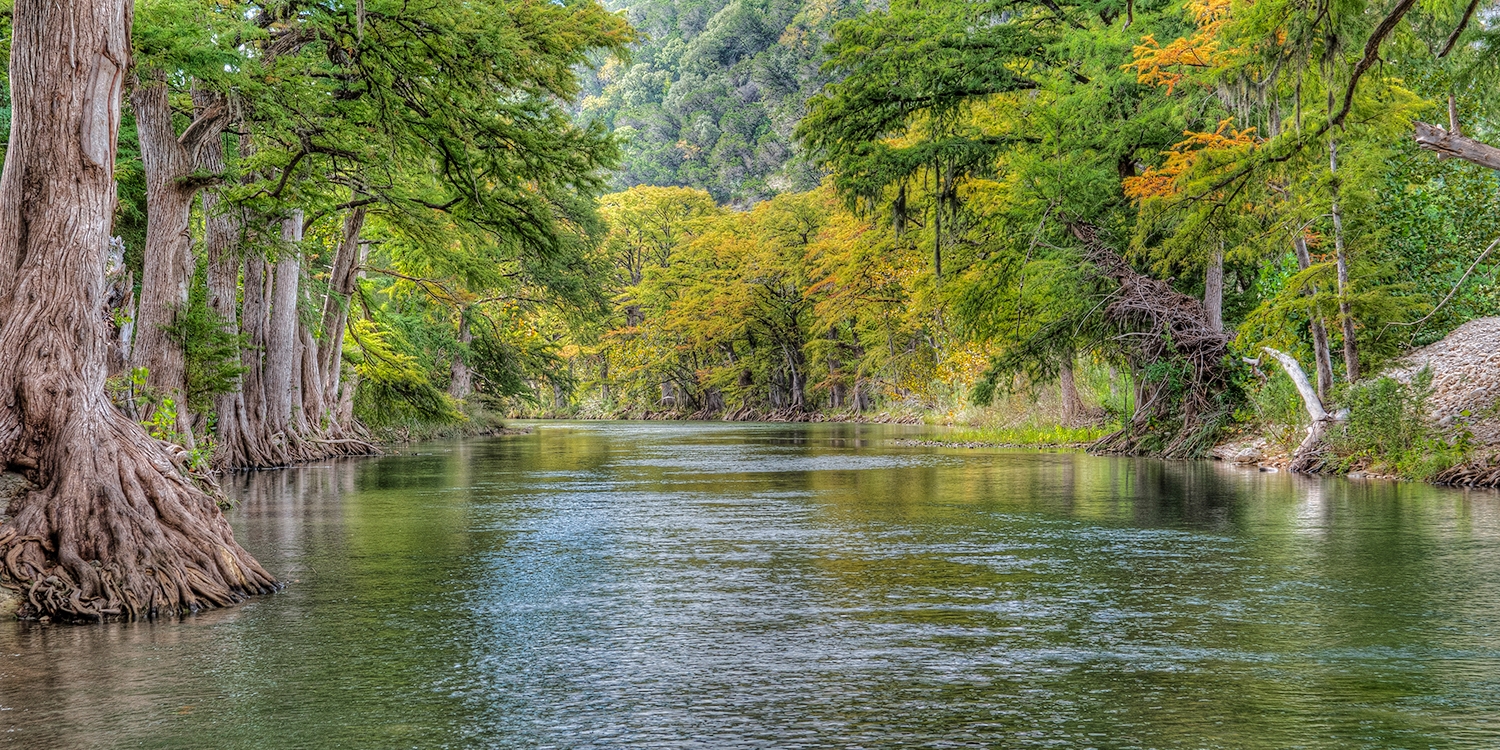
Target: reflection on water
726 586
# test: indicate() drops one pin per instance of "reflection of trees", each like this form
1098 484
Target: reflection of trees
456 590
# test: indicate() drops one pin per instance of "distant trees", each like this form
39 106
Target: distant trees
793 306
710 100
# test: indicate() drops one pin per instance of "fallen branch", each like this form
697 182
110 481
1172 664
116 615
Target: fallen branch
1454 146
1307 459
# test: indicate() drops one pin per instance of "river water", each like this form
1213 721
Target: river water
621 585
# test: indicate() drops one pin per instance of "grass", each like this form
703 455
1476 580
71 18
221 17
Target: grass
1029 436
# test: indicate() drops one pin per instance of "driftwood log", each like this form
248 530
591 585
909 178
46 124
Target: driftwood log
1309 458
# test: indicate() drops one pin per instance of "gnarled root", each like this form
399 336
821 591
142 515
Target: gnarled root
118 532
1483 472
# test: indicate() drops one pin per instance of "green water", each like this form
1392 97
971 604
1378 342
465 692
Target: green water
617 585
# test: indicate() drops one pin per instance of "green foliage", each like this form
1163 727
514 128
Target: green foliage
1029 436
1276 411
211 352
1388 430
710 98
392 389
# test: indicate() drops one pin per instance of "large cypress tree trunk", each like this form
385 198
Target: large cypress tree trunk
222 226
281 360
113 528
169 163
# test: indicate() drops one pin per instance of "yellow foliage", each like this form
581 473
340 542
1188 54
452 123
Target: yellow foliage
1163 181
1166 65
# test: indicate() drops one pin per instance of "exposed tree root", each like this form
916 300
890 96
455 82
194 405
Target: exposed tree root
1484 472
1179 359
119 532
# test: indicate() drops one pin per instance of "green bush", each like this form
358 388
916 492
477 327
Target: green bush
1278 412
1388 431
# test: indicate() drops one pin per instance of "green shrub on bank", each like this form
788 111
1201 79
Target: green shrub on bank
1388 430
1277 412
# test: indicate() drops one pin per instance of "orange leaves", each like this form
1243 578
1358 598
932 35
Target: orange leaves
1167 66
1184 157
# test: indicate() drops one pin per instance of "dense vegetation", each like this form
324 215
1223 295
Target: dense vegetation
343 217
1019 196
712 95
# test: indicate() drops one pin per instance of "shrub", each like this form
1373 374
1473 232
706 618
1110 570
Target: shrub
1278 412
1388 430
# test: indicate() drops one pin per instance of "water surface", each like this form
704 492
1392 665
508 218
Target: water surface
620 585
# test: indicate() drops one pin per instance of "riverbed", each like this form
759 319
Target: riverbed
672 585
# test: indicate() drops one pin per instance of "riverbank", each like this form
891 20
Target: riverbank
477 423
1432 415
787 416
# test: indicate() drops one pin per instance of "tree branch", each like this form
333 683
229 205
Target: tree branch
205 126
1372 54
1454 146
1299 378
1463 23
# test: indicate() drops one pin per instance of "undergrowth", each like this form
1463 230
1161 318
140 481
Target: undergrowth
1388 431
1029 435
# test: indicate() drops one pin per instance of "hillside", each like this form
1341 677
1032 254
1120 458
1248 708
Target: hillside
711 96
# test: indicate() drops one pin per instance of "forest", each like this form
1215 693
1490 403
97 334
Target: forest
248 234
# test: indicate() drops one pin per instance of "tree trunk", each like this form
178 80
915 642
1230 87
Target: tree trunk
119 307
462 382
1072 404
605 393
255 324
168 254
1351 349
281 359
1321 354
314 410
221 239
1213 289
167 267
113 527
342 278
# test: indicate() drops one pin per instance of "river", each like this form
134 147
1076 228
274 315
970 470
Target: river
671 585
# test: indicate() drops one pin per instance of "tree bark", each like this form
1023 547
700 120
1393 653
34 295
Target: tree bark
167 269
1213 289
1452 145
1321 354
1346 316
1072 404
461 384
341 281
281 358
113 527
222 227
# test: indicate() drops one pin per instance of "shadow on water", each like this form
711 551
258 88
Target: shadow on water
784 586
